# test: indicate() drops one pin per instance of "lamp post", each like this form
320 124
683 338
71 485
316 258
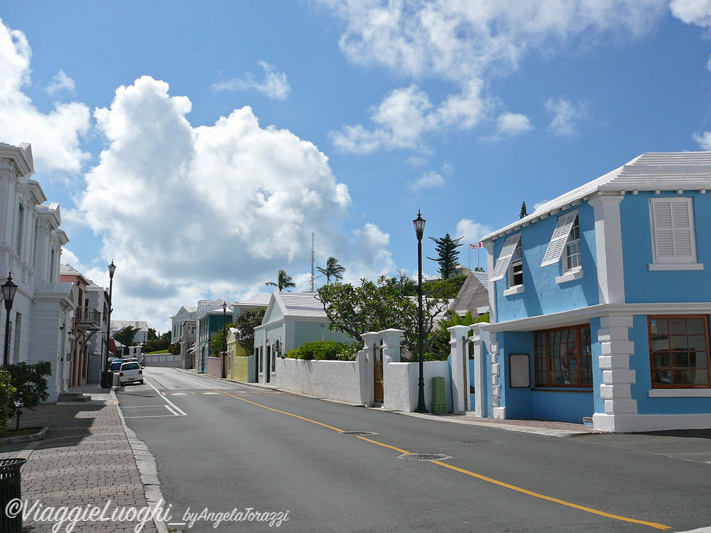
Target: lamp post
419 223
8 293
224 326
105 363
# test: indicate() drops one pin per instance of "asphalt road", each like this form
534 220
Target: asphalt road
226 448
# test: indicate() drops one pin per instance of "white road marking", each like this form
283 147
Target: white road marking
178 409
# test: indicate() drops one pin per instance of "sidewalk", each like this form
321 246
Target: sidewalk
86 461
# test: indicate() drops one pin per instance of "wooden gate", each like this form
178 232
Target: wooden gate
378 374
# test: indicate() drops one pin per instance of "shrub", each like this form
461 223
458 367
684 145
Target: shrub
30 386
7 392
323 351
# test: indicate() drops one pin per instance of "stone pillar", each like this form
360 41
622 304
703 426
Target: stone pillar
498 411
617 378
392 339
459 360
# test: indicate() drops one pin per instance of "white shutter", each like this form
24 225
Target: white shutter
560 237
502 265
673 228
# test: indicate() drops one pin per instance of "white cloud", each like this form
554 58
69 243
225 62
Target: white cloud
472 231
406 115
567 116
214 210
696 12
466 43
275 84
61 82
512 124
429 180
703 139
54 136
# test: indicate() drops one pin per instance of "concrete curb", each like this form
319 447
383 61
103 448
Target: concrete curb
25 438
147 468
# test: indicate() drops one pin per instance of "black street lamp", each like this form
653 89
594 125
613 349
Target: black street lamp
8 293
419 223
105 364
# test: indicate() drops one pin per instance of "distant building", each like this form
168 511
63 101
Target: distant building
141 336
183 331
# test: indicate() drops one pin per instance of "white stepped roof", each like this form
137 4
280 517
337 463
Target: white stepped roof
653 171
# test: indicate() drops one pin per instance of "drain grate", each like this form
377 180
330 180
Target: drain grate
474 441
357 433
424 457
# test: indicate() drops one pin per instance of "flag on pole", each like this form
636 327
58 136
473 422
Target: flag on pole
474 246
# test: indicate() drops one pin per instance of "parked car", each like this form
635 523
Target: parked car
130 372
116 365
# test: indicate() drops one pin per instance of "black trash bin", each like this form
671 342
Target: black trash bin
9 490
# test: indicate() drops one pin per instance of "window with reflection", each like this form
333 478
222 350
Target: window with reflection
563 357
679 351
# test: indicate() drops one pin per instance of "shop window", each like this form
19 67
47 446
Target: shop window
563 357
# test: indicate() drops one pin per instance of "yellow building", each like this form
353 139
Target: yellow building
239 365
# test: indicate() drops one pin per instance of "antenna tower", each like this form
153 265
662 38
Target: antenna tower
313 255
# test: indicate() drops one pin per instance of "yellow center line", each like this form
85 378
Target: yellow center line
549 498
469 473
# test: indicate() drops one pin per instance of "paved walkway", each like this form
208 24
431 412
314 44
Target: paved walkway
86 461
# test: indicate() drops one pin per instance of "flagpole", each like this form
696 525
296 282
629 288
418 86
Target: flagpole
470 258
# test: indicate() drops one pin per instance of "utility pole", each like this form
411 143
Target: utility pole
313 255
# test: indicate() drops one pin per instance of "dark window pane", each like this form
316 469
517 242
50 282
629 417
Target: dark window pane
662 377
679 342
661 360
696 326
660 343
677 326
680 359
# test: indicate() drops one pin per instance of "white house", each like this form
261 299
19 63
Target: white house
30 250
291 319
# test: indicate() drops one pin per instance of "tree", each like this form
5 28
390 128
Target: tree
219 340
375 306
524 211
126 335
284 281
447 255
245 323
333 270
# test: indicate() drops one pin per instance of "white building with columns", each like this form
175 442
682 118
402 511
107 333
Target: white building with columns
30 250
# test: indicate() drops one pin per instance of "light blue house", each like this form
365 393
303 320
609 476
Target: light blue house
600 303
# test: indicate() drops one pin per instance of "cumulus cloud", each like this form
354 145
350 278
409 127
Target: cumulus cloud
703 140
512 124
212 210
428 180
55 136
696 12
275 84
567 116
406 115
61 82
466 44
472 231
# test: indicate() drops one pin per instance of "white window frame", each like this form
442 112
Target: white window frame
515 262
672 226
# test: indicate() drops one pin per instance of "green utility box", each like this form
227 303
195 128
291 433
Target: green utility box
439 396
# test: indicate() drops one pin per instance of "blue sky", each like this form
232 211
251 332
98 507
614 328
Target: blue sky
200 144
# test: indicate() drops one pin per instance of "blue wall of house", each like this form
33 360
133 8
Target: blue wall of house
542 295
538 404
640 363
643 285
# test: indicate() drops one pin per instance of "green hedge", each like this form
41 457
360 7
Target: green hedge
323 351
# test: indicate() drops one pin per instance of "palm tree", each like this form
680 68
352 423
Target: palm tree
332 270
284 281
